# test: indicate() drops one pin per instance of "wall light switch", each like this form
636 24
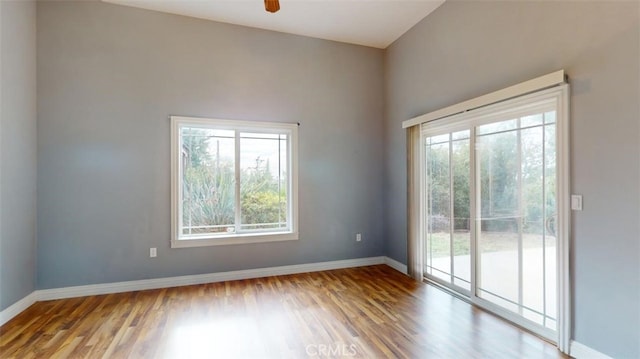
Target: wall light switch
153 252
576 202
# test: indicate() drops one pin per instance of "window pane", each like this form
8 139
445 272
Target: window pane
533 120
533 285
438 139
461 213
460 135
550 117
263 181
497 127
516 241
208 186
271 136
438 244
550 228
498 239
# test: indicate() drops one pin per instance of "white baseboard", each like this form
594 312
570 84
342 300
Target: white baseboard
118 287
581 351
17 307
402 268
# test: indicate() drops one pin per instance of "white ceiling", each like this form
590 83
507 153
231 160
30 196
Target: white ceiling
375 23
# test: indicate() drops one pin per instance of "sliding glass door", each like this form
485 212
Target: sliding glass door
516 243
490 210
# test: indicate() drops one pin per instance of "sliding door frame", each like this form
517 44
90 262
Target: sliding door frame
558 97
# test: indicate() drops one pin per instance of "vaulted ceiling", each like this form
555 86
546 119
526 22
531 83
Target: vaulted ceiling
374 23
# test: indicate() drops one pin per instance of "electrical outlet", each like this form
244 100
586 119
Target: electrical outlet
153 252
358 237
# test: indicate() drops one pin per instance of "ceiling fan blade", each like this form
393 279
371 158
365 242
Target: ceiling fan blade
272 5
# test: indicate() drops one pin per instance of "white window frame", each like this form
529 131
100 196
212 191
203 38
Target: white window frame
290 233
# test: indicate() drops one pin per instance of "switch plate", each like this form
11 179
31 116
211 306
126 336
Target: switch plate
153 252
358 237
576 202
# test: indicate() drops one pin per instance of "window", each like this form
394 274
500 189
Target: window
232 182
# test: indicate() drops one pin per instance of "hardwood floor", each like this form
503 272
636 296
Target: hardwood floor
367 312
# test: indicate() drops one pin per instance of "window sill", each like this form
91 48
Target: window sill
234 239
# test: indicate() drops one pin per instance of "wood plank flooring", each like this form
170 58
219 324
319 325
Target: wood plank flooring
367 312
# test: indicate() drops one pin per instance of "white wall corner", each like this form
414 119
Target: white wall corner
18 307
580 351
402 268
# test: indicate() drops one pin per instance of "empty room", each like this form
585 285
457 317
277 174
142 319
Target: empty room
319 179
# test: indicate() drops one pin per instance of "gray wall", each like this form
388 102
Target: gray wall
109 77
466 49
17 151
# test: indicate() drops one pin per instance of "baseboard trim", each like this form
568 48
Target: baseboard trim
18 307
129 286
402 268
579 351
118 287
